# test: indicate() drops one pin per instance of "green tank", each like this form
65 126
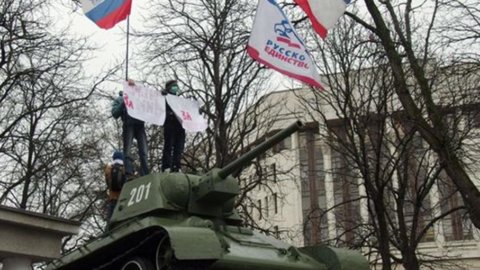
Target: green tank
177 221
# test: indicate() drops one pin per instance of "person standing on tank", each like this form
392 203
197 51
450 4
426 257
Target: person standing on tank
173 133
115 178
131 128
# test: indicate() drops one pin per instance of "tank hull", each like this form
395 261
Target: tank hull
192 240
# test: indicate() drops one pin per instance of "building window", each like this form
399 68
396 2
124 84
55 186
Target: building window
259 205
273 169
266 206
429 235
243 182
454 226
275 203
282 145
475 119
277 232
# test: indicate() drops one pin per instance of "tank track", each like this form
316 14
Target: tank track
145 247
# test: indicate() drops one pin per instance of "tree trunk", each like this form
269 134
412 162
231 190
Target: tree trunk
468 190
410 260
431 133
383 235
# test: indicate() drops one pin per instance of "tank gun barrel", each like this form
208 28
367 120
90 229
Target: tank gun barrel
215 191
258 150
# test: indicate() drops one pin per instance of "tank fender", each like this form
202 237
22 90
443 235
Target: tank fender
190 243
337 259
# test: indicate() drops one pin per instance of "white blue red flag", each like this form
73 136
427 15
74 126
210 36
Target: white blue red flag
323 13
275 43
106 13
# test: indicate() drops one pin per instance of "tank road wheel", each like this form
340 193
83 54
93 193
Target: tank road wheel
164 255
138 263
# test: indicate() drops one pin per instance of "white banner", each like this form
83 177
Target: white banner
188 113
275 43
144 103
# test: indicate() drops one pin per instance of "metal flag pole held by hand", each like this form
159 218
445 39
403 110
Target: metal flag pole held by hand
126 53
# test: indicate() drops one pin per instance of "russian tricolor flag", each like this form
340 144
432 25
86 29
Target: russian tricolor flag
323 13
106 13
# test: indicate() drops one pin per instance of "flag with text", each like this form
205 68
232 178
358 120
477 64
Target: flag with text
275 43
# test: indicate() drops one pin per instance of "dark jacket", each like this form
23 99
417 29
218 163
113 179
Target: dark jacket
170 115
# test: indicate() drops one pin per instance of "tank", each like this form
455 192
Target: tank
177 221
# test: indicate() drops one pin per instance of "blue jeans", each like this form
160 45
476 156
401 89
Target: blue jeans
174 143
110 208
136 131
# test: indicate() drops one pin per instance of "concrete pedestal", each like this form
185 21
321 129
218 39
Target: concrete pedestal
27 237
17 263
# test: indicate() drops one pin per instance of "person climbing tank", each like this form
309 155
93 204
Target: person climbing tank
182 221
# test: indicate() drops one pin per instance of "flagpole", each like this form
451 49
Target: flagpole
126 56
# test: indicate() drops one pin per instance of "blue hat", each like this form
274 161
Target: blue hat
117 155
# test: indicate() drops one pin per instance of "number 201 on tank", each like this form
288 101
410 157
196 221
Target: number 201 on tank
139 194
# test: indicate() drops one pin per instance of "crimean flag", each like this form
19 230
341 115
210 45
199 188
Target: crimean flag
106 13
275 44
323 13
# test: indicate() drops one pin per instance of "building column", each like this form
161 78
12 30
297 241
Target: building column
312 185
395 184
17 263
362 192
437 211
462 124
298 197
329 190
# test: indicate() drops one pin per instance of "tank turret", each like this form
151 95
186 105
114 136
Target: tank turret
184 221
210 195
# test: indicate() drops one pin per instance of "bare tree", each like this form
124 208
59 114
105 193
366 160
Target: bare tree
203 45
378 159
410 40
50 149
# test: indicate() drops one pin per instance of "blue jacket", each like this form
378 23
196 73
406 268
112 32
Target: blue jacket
119 110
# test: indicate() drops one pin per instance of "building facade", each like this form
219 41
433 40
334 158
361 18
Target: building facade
324 197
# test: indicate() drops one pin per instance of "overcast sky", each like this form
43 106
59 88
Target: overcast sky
112 43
